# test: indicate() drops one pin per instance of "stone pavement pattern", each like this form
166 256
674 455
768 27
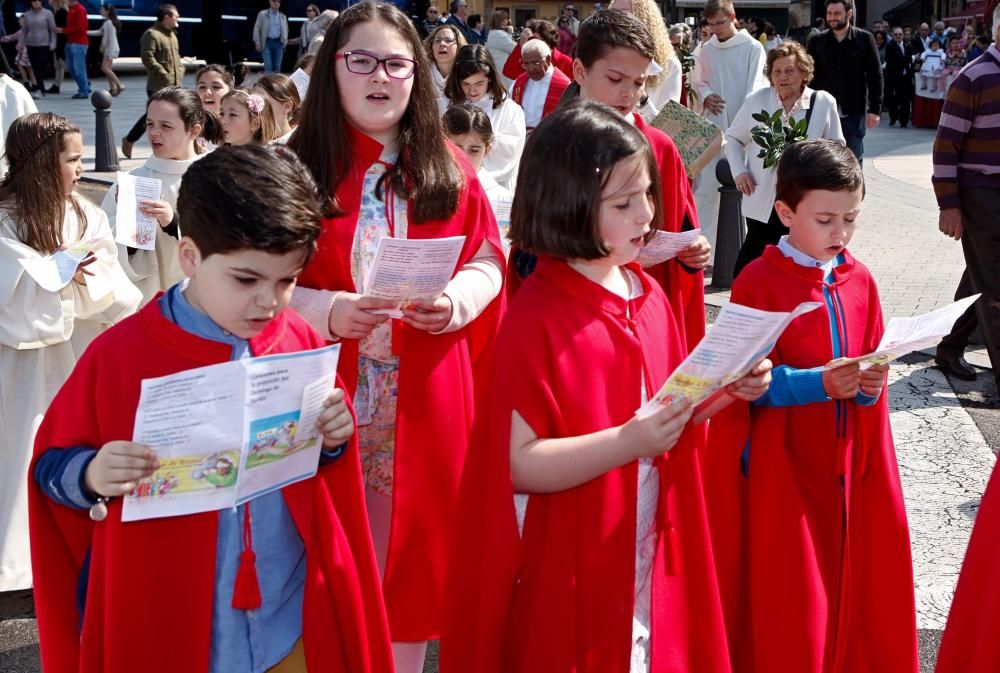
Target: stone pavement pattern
945 459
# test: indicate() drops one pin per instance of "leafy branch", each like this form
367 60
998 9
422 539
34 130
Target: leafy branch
774 134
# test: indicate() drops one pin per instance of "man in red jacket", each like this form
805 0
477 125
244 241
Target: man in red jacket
540 87
76 48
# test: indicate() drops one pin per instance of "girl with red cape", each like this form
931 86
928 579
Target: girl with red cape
371 135
613 568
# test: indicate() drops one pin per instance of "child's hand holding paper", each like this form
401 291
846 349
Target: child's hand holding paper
335 423
429 315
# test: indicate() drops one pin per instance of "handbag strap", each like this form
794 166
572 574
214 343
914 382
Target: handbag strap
809 112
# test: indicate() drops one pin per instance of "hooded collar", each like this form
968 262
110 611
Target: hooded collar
170 166
814 274
581 287
741 37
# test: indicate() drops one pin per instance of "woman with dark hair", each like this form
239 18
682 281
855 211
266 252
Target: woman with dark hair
370 133
475 79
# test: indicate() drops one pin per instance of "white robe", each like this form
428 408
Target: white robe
152 270
15 101
42 334
509 134
731 69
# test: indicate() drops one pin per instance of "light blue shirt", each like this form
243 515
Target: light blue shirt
274 25
249 641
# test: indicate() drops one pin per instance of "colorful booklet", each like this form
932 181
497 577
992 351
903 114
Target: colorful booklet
230 432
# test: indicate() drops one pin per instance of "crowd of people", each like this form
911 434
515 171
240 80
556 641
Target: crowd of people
484 478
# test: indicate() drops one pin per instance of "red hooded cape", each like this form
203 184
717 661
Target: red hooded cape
827 546
685 291
970 643
562 598
149 594
557 86
513 69
435 399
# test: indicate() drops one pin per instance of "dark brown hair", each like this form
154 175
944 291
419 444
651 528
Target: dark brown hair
565 165
848 4
188 104
250 197
33 190
165 10
465 117
472 59
545 31
604 31
816 164
280 88
497 19
113 16
219 70
425 173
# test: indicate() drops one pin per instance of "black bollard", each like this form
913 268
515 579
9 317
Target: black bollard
105 152
729 235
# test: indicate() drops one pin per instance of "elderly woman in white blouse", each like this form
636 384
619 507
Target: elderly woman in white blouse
789 69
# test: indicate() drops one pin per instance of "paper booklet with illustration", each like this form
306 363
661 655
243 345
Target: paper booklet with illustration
227 433
739 339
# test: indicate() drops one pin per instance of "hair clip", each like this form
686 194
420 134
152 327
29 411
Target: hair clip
255 103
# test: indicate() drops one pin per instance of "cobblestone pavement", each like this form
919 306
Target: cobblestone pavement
946 434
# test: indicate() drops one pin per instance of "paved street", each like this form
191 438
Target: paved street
946 433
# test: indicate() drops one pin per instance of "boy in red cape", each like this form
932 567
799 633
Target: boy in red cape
970 643
614 52
613 571
827 573
288 579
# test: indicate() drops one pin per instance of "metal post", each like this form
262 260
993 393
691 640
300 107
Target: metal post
105 152
729 235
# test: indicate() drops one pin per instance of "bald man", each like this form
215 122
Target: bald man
538 89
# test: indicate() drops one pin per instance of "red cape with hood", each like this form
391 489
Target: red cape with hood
970 643
685 291
150 586
435 398
561 599
827 552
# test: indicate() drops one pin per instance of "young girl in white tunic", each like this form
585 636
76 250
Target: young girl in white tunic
475 79
60 285
174 118
108 32
469 128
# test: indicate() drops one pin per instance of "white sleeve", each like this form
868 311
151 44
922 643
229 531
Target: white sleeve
510 132
109 295
474 286
756 77
738 138
700 75
30 317
314 306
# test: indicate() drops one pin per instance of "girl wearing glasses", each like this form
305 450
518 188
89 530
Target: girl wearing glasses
370 133
441 47
475 79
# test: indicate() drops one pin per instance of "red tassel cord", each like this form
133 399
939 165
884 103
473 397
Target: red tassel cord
246 589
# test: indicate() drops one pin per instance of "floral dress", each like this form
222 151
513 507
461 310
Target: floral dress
378 367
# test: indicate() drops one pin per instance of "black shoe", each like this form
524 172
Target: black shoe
902 126
956 366
52 89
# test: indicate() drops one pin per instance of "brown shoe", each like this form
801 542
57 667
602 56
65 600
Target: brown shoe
127 148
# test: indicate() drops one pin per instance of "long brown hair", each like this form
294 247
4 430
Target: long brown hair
425 173
280 88
32 190
472 59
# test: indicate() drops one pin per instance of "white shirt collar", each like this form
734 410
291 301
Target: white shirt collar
802 259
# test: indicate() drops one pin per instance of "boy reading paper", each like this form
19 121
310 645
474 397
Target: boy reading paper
284 582
828 578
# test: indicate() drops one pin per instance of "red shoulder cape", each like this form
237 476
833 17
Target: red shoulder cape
150 586
970 643
557 85
435 399
828 556
562 598
513 69
685 291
